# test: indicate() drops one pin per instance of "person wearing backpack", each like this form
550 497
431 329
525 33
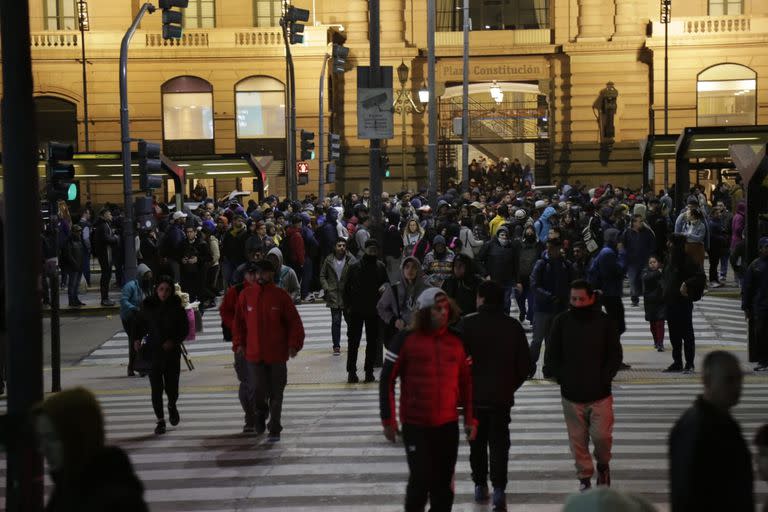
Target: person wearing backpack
398 302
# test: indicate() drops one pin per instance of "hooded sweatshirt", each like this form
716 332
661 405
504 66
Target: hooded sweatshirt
399 299
285 276
542 226
133 294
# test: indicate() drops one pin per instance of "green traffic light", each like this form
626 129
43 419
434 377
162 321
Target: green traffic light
387 173
71 192
311 155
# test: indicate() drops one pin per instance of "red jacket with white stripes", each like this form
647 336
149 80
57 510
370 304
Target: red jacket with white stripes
435 378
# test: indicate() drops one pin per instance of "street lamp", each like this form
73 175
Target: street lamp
423 94
665 16
84 24
496 92
404 105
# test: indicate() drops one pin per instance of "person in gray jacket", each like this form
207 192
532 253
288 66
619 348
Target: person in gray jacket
333 277
285 276
398 302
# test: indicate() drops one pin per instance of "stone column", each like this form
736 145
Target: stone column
392 21
593 20
355 19
627 24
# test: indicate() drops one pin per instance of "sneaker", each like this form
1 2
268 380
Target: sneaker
370 377
173 415
604 477
107 303
337 351
352 378
660 348
273 437
689 368
259 426
74 304
160 428
673 368
585 484
624 366
481 494
715 284
761 367
81 302
499 499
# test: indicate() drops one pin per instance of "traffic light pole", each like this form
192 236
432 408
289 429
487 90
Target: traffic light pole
129 240
375 81
290 170
321 123
22 223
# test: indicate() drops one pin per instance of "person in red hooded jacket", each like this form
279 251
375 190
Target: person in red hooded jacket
268 330
435 378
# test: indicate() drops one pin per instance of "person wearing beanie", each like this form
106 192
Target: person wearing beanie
161 328
754 302
133 294
438 262
435 377
87 476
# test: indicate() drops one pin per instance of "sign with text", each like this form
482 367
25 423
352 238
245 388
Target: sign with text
487 69
375 116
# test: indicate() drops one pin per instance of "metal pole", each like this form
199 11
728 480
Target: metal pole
129 241
290 171
465 105
24 473
432 145
666 88
85 82
55 329
402 142
375 81
321 123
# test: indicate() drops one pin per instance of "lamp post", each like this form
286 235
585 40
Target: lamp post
84 25
665 16
404 105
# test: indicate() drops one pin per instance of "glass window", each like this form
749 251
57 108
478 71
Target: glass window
727 95
60 15
187 109
200 14
266 13
493 14
726 7
260 104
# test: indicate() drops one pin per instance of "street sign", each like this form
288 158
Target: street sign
375 117
302 167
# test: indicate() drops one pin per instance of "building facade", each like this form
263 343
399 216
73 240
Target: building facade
539 71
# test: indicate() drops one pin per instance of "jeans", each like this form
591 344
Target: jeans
73 284
541 324
522 297
241 370
164 375
724 260
432 453
266 384
493 437
591 420
105 264
355 323
336 314
681 336
509 292
87 268
228 270
634 273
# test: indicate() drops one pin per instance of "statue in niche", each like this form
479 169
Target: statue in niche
605 108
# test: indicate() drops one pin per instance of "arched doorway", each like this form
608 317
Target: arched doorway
56 120
188 116
260 119
726 95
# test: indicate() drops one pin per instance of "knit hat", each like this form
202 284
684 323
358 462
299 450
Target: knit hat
520 214
428 297
540 204
439 239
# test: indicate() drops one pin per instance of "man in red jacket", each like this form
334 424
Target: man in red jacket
435 377
227 311
269 331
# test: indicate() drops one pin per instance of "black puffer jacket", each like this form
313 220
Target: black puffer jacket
361 291
162 321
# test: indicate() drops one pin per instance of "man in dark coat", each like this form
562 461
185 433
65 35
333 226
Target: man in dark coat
72 254
501 259
104 240
583 355
710 465
462 285
754 302
501 362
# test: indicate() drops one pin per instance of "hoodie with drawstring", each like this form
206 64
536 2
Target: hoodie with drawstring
133 294
285 276
399 299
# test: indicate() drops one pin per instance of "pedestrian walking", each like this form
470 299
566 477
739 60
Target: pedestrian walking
653 301
710 465
529 255
501 259
583 355
438 262
87 475
161 328
333 279
501 362
398 302
267 332
639 243
227 312
754 302
435 377
361 295
463 283
132 296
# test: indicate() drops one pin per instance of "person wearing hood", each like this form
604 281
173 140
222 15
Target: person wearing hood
133 294
398 302
543 224
438 262
393 246
285 277
529 255
583 355
333 278
162 326
606 275
463 283
501 259
366 278
87 475
328 234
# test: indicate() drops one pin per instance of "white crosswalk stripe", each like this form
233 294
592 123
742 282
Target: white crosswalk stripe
333 457
717 321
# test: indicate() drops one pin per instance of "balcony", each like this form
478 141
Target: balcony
494 39
702 28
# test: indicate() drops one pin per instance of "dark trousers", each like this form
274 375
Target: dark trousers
355 323
681 336
73 283
241 370
266 384
493 437
522 297
635 276
87 268
164 376
336 315
105 264
431 453
129 328
657 331
509 292
760 326
714 261
614 308
306 278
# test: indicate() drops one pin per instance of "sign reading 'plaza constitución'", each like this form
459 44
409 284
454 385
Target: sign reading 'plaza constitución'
449 70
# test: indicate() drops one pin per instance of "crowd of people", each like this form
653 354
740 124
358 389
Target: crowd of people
435 288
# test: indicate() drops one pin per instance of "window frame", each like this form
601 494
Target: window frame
754 76
246 91
59 19
205 88
725 4
198 18
274 16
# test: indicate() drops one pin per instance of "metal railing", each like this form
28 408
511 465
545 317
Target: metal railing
55 39
491 120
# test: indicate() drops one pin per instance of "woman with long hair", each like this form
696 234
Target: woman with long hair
412 234
162 327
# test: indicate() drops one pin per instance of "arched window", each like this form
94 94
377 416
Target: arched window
727 94
56 121
187 109
260 105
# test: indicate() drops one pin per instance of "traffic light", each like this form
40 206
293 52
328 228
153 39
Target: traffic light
334 146
330 173
339 54
149 163
172 20
307 145
385 168
293 17
144 212
61 175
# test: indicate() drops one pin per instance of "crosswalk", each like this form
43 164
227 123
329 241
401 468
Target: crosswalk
333 457
717 321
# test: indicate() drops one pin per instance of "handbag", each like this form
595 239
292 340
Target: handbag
191 321
143 360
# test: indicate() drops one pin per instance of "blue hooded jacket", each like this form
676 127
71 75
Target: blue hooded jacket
606 272
541 226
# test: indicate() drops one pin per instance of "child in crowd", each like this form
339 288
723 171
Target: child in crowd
653 301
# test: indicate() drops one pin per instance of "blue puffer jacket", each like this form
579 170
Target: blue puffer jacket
754 297
551 284
606 272
541 226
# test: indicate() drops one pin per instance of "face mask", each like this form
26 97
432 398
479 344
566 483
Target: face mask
504 241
